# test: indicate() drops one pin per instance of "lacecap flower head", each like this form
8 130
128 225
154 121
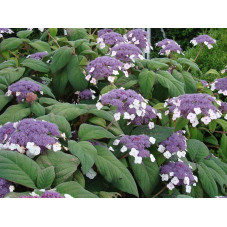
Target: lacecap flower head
5 30
38 55
30 136
136 145
174 145
220 85
87 94
194 106
131 105
205 39
169 48
126 52
165 42
24 90
104 67
104 31
139 38
110 38
178 174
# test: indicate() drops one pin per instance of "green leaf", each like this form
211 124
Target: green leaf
18 168
98 121
75 190
181 123
196 134
207 180
221 164
211 139
189 82
86 153
11 44
40 46
103 194
7 64
75 75
4 100
212 71
223 144
36 65
146 81
175 87
48 101
46 178
146 175
87 132
114 171
79 177
60 121
64 164
24 34
197 150
12 74
37 109
155 65
160 133
14 113
222 123
60 58
189 63
76 33
53 31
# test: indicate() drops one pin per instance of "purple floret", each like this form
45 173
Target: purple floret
4 187
104 31
38 55
85 94
220 85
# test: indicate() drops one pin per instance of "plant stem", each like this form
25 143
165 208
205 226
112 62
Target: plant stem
109 125
163 189
197 55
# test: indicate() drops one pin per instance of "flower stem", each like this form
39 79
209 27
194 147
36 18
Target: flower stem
109 125
163 189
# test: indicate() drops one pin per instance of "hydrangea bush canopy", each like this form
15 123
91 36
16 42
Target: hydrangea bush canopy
85 115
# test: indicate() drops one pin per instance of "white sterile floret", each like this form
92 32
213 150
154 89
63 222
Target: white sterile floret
93 81
132 116
127 115
33 150
116 142
56 147
138 160
41 92
137 42
166 112
206 120
113 53
176 114
159 115
127 66
186 180
92 69
99 105
196 178
115 72
165 177
11 188
167 154
67 196
197 111
188 188
111 149
175 180
144 105
161 148
152 140
48 146
18 93
152 158
8 93
63 136
123 149
171 174
111 79
134 39
33 194
134 152
91 174
151 125
126 73
170 186
139 112
191 117
117 116
88 77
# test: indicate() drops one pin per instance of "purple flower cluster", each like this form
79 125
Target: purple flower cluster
38 55
220 85
206 39
104 67
139 38
190 106
131 105
30 136
46 194
104 31
22 88
178 173
137 146
5 30
175 144
223 109
126 52
87 94
204 82
164 43
169 46
110 38
4 187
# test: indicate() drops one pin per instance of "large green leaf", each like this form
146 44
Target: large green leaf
14 113
18 168
223 145
60 121
11 43
40 46
75 190
189 63
37 109
12 74
76 33
24 34
146 175
64 164
221 164
222 123
87 132
7 64
146 81
114 171
156 65
197 150
160 133
4 100
207 181
174 86
36 65
189 82
60 58
86 153
75 75
46 178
